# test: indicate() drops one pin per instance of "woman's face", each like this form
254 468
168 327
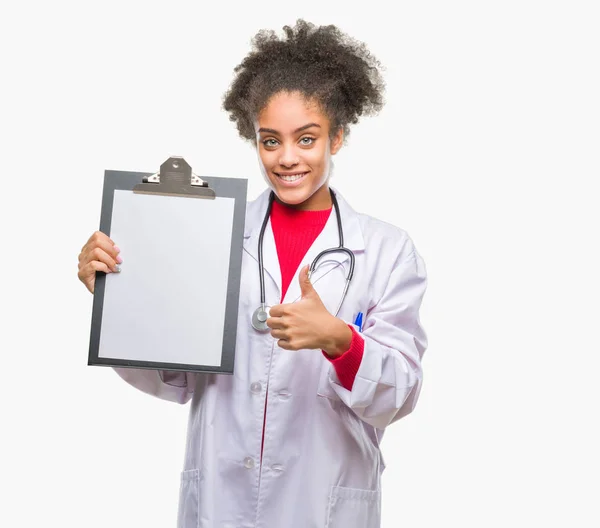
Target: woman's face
294 149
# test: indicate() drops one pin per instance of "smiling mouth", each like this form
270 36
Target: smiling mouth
291 177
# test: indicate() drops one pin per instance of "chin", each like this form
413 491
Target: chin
293 196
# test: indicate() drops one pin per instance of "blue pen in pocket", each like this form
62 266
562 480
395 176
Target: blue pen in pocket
358 321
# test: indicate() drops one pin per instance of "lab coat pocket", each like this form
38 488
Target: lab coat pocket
189 499
325 389
353 508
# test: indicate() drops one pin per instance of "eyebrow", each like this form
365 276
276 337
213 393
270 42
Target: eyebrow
272 131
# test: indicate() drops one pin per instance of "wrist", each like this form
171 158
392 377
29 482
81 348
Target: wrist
338 338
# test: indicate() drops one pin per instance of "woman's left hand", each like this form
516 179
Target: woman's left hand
307 324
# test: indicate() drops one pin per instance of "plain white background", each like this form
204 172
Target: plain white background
487 153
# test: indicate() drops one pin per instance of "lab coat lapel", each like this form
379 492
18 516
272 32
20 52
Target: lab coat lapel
329 238
255 214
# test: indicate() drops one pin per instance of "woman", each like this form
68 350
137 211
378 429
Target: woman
292 438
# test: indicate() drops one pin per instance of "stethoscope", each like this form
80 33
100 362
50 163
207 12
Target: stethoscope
261 314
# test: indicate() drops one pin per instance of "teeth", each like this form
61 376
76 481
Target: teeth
291 178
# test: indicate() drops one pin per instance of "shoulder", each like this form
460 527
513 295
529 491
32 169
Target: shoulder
380 238
395 266
258 203
255 211
383 238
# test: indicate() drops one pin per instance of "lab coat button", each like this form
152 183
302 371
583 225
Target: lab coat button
256 388
248 463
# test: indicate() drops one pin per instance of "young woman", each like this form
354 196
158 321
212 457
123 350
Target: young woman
292 438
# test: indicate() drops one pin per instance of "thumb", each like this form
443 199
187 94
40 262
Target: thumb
306 287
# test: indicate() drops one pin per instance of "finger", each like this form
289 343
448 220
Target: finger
91 268
88 254
277 311
100 255
99 236
279 334
286 345
100 240
107 246
306 287
276 322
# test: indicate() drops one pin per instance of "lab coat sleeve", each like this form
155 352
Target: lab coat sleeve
172 386
389 377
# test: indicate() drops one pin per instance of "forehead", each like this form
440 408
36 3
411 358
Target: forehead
286 112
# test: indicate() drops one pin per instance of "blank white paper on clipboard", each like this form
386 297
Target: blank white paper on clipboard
166 269
174 304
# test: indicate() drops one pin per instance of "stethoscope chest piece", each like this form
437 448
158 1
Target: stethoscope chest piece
259 318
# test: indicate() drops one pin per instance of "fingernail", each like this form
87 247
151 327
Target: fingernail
117 249
118 269
119 259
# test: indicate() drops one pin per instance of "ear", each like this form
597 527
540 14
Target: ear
337 141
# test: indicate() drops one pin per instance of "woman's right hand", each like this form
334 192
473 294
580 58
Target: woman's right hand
98 254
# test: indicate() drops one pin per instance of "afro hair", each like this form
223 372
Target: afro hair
322 63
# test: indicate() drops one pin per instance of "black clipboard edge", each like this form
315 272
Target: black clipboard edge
227 187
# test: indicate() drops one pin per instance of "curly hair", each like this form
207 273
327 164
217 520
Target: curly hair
323 64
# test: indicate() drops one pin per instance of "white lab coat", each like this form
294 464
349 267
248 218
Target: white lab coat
322 463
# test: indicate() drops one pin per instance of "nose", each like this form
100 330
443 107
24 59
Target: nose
289 157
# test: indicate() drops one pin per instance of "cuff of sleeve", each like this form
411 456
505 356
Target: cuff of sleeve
346 366
175 379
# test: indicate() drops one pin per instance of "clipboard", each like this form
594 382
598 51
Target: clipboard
174 305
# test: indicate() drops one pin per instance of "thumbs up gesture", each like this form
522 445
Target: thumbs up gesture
307 324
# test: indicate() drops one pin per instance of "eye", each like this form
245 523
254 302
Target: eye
267 143
310 141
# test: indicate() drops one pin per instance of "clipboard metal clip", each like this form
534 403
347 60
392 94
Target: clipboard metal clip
175 178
